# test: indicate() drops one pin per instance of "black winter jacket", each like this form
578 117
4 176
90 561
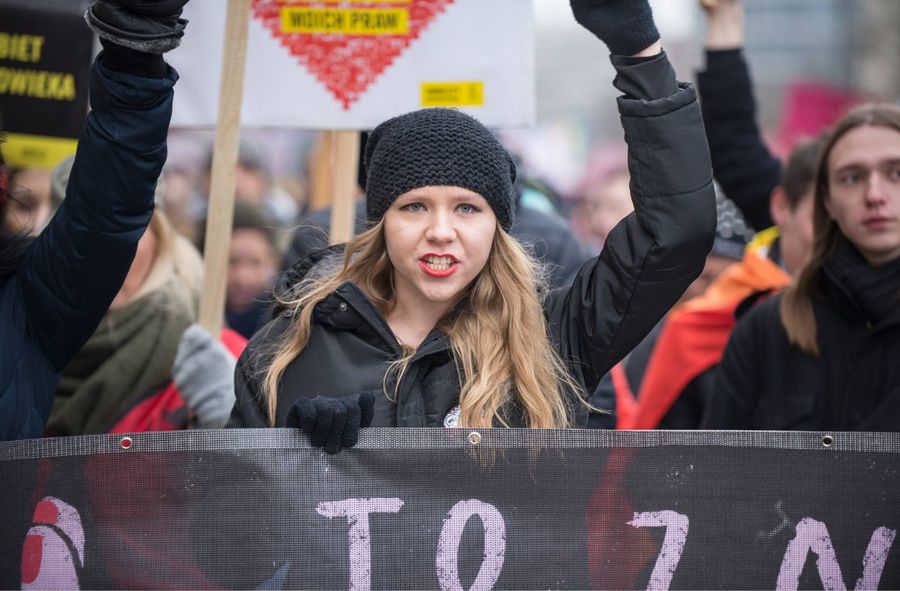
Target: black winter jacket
649 260
73 270
764 382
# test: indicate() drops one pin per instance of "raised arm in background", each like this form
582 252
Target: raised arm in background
742 164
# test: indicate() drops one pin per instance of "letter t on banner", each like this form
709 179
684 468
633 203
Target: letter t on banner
225 152
357 513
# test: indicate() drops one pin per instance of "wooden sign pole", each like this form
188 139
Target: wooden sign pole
343 205
320 172
225 151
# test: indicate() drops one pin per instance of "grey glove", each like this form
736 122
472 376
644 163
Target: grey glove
204 374
626 26
149 26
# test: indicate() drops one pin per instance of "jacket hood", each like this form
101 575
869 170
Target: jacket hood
318 264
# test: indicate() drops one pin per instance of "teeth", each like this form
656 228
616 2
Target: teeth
439 263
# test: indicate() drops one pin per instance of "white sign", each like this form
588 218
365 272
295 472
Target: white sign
351 64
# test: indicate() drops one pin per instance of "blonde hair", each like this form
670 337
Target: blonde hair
177 266
497 333
796 306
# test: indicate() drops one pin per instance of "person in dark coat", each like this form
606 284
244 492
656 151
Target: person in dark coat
55 289
822 355
433 316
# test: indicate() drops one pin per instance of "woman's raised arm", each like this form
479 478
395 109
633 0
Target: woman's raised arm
652 256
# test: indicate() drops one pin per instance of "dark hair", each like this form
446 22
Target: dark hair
796 309
799 173
246 216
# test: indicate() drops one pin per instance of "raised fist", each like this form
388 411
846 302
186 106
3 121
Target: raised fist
626 26
150 26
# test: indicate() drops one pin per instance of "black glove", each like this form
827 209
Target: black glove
333 423
626 26
149 26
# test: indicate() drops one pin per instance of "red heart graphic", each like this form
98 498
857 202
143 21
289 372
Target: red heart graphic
347 63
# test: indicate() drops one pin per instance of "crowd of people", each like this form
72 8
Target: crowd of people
710 284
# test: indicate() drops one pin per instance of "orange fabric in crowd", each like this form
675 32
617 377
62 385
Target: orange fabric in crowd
693 340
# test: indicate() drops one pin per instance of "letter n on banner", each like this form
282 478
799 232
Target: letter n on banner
813 535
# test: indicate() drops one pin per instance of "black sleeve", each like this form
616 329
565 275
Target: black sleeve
742 164
644 78
653 254
133 62
74 269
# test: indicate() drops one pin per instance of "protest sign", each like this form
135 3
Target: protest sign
45 58
453 509
320 64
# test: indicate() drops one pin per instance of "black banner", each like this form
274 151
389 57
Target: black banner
453 509
45 57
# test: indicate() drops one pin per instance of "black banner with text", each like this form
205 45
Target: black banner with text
453 509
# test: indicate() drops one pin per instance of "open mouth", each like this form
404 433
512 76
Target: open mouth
438 265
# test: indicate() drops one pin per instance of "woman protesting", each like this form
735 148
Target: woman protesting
436 317
823 354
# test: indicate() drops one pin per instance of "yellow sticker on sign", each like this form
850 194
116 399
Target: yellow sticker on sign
345 21
40 151
453 94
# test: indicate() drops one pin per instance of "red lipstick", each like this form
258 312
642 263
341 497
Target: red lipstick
438 265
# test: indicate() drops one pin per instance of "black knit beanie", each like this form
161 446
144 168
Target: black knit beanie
438 147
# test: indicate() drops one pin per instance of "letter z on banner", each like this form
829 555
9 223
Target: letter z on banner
351 64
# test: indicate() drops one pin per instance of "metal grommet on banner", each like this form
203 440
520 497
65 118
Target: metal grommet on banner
126 442
474 437
827 440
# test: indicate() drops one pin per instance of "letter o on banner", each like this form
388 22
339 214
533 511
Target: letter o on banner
447 561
